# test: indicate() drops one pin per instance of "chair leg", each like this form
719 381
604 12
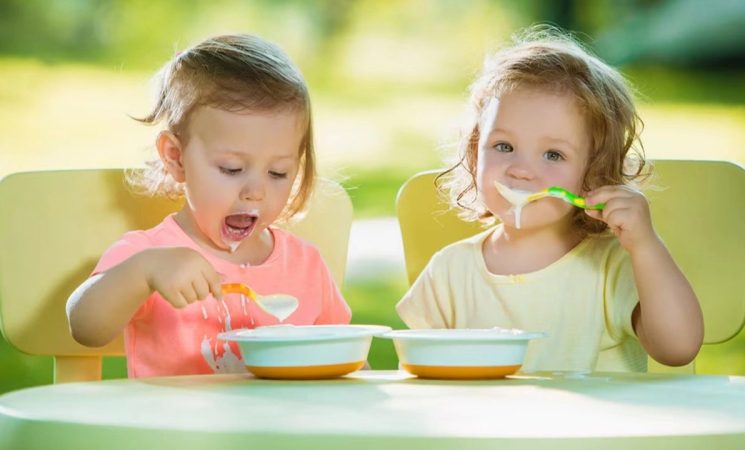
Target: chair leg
68 369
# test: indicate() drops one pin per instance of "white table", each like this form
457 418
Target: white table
381 410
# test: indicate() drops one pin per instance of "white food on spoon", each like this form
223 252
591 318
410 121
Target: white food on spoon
278 305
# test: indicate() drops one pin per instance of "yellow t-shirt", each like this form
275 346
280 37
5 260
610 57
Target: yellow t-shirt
583 302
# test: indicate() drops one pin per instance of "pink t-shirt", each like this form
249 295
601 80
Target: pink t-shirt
162 340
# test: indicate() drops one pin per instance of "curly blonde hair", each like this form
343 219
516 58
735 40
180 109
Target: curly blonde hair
546 58
235 73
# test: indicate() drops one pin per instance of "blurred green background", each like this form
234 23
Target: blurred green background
388 81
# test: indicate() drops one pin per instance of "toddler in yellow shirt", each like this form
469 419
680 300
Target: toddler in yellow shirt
600 283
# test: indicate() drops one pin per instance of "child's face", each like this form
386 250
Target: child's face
531 139
238 169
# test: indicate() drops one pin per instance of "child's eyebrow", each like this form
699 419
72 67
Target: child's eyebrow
561 141
229 152
241 154
290 156
499 131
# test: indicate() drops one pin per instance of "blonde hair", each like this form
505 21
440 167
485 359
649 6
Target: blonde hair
234 73
543 57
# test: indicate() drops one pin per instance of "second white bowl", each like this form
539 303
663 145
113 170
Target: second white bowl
461 353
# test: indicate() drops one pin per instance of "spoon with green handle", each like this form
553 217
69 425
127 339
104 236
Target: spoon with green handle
519 197
563 194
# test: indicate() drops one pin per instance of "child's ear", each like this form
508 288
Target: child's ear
171 153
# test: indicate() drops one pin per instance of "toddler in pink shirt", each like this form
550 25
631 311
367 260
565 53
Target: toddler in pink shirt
237 145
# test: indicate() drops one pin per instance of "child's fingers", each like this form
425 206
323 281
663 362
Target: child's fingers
614 217
189 294
594 213
612 206
201 288
607 193
626 210
175 298
618 202
601 214
214 283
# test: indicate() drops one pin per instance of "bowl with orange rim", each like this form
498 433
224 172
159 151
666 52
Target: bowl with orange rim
304 352
461 354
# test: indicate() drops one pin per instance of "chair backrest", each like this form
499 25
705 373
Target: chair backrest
54 227
698 207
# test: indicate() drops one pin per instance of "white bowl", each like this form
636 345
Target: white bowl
461 353
304 352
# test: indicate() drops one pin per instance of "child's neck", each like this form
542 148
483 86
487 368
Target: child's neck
512 251
253 250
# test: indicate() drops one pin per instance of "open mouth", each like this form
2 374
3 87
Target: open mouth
237 227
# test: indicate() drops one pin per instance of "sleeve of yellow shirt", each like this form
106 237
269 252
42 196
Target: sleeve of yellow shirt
427 303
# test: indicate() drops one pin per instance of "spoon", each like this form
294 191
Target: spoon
563 194
277 305
519 197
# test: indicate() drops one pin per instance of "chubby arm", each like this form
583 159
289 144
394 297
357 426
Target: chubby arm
99 309
668 319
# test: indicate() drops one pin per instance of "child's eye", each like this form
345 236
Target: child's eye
274 174
553 155
503 147
229 171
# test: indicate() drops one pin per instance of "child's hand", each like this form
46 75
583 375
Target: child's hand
181 275
626 212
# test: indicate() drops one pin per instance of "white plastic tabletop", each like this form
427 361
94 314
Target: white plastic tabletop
379 410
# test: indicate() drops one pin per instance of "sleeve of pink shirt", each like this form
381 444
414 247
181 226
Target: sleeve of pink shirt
309 269
334 309
130 244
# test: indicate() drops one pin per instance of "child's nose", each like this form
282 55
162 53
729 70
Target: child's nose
520 169
253 189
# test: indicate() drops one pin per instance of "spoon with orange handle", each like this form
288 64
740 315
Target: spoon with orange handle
277 305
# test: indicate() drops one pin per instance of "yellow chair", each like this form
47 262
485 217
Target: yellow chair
698 208
56 224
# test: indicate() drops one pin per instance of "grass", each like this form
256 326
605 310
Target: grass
373 192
